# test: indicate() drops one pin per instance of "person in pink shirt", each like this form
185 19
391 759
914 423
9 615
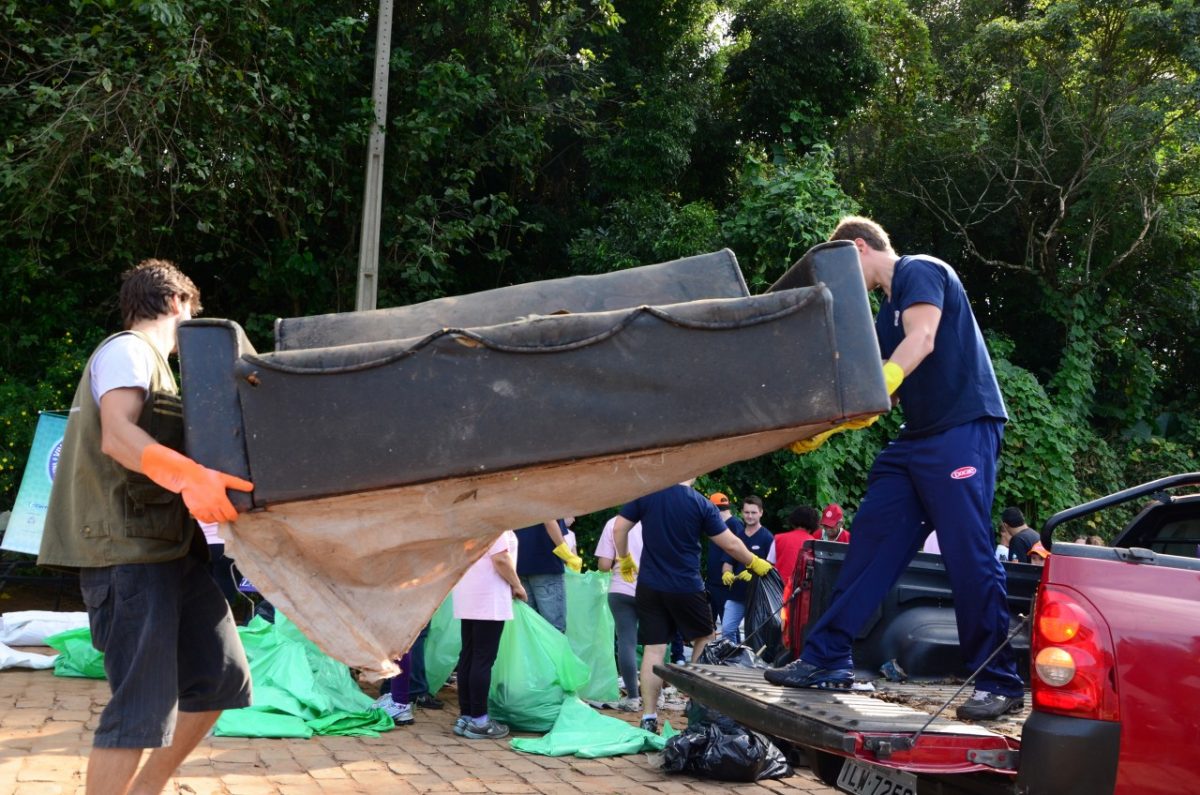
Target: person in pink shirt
483 602
623 605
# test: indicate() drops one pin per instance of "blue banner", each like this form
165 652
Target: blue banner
24 533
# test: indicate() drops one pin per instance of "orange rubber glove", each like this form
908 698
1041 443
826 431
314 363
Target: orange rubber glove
203 489
893 376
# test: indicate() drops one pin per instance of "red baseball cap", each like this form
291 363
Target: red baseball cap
831 515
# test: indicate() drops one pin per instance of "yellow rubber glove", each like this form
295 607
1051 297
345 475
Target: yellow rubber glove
759 566
893 376
808 445
573 561
202 489
628 568
727 579
745 576
859 424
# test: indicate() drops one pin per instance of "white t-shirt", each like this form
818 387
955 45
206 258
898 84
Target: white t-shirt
482 594
606 547
122 362
212 532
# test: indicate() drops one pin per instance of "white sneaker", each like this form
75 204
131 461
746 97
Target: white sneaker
401 714
628 704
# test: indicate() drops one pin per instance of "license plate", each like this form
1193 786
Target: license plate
861 778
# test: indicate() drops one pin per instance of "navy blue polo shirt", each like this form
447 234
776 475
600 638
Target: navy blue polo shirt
535 551
955 384
759 544
673 521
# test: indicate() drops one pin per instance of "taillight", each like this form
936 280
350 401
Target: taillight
1072 657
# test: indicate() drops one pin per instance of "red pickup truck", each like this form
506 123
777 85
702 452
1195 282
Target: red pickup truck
1113 654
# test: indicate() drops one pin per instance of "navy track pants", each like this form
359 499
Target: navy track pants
945 481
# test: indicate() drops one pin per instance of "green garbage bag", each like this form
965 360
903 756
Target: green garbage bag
293 678
592 632
255 722
442 645
76 654
535 670
371 723
582 731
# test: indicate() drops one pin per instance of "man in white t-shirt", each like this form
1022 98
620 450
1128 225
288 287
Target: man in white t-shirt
121 512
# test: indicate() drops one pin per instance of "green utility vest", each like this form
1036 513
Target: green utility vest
102 514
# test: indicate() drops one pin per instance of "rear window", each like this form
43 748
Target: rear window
1178 537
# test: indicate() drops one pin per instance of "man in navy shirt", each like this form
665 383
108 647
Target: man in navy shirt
940 472
670 594
760 541
541 553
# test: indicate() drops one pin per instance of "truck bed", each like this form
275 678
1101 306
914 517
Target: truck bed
873 727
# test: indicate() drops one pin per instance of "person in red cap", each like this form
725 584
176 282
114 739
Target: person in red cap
832 524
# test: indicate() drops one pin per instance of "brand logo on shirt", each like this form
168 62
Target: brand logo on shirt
962 473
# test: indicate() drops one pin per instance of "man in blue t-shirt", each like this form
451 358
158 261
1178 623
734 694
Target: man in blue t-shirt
940 472
760 541
670 594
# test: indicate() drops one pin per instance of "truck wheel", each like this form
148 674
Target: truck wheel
825 766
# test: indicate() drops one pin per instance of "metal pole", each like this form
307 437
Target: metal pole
368 247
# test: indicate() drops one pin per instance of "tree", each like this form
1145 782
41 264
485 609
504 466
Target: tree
1071 135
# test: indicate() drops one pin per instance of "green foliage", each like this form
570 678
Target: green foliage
479 99
1037 463
647 229
785 85
785 206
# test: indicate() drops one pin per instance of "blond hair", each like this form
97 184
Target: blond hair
853 227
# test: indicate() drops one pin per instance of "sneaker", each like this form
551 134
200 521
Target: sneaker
487 731
428 701
983 705
628 704
649 725
401 714
801 674
460 725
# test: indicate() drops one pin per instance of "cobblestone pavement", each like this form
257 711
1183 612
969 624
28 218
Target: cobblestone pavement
45 734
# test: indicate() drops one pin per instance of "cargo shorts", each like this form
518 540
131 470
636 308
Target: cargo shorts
170 644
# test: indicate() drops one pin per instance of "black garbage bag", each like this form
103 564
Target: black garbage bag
720 651
764 624
736 755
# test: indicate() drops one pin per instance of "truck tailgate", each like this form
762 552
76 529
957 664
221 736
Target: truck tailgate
847 723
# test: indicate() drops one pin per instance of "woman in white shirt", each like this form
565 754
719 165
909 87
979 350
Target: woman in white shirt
483 602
